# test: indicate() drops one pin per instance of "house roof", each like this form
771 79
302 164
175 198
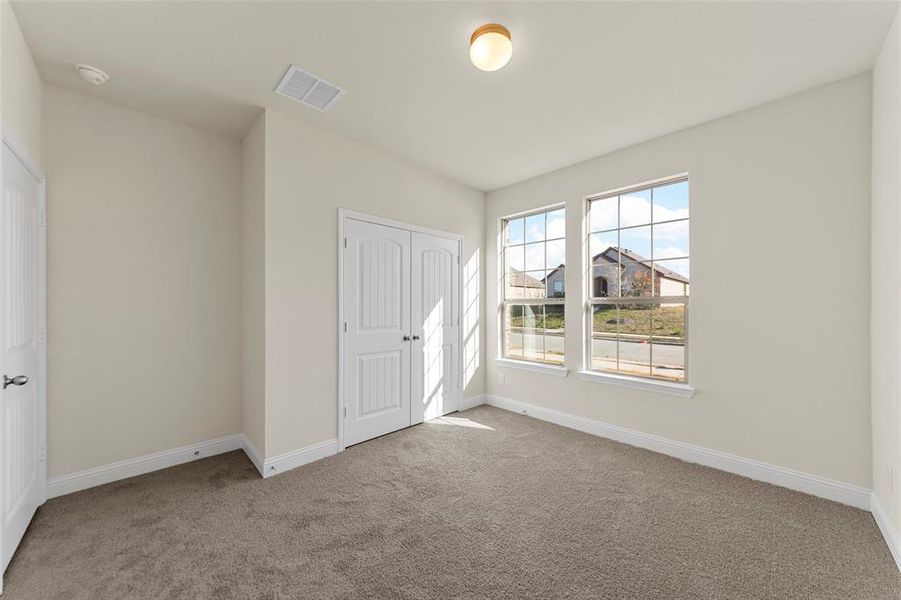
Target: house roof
632 256
520 279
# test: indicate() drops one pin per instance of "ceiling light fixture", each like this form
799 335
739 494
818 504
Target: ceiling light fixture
490 47
91 74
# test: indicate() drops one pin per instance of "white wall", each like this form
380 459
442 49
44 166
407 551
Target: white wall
886 269
253 197
310 173
780 191
144 283
20 87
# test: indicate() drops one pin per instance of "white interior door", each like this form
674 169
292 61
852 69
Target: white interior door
22 414
377 337
436 326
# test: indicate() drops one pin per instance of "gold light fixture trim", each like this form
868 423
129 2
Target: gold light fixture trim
490 28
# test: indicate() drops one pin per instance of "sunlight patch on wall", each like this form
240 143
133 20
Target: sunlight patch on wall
471 345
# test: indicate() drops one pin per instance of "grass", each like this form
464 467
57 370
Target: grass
539 321
667 321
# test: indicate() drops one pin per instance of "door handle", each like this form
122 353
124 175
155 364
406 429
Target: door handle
17 380
415 337
406 338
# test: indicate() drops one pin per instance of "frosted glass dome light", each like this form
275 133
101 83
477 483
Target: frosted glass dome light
490 47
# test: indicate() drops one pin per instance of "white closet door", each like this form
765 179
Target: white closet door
436 332
21 410
377 341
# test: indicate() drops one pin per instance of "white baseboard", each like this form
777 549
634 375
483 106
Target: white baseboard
82 480
889 532
296 458
253 453
472 402
815 485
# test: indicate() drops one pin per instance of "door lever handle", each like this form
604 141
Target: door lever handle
406 338
17 380
415 337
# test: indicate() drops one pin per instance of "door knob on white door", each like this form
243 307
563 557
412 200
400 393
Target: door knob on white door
17 380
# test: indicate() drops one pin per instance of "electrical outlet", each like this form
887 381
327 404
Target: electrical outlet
501 378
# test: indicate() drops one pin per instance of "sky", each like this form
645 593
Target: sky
637 214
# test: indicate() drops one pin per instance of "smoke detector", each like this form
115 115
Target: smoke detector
308 89
91 74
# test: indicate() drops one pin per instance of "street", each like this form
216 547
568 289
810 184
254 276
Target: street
634 357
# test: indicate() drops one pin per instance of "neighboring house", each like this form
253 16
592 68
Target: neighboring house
616 267
520 285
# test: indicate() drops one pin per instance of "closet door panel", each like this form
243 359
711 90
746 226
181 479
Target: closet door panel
435 326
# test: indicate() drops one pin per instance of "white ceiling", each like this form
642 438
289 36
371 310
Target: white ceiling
585 78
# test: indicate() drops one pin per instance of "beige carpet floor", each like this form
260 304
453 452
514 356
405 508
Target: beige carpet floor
482 504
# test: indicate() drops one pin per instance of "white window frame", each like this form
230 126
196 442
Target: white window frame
523 363
678 388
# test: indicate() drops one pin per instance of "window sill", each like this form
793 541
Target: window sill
661 387
532 366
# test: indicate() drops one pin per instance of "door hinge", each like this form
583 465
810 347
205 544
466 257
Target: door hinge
42 453
345 326
345 412
42 336
42 218
345 243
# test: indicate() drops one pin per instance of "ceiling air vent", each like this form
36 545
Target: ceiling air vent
308 89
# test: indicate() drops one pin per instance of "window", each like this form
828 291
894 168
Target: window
533 259
637 311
